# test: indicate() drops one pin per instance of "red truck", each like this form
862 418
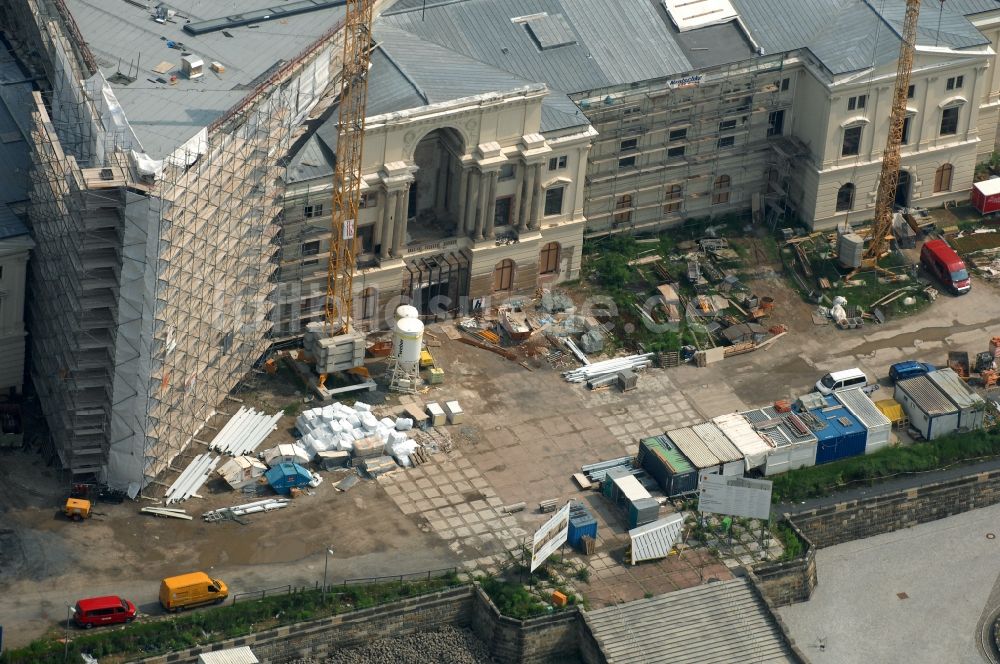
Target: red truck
941 261
986 196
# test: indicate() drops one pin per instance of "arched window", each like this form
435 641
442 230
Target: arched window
623 209
673 201
503 275
942 178
720 192
845 197
549 261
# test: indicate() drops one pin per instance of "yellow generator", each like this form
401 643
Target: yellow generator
426 359
77 509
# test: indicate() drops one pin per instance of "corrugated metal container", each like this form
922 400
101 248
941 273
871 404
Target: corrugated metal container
742 435
581 523
930 411
794 444
878 425
731 458
608 485
839 433
695 449
654 540
643 511
971 406
671 469
628 489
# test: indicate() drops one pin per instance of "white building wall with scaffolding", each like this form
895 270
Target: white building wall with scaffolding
150 288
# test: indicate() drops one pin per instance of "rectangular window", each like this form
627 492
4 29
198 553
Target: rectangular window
310 211
554 200
776 123
910 91
678 134
367 201
367 236
628 144
631 114
906 130
784 84
949 121
626 162
727 124
955 83
675 194
310 248
852 142
726 142
623 209
507 172
675 152
556 163
857 102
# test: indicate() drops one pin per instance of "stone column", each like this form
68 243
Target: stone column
399 233
473 201
536 197
491 205
516 218
525 192
463 191
484 205
385 232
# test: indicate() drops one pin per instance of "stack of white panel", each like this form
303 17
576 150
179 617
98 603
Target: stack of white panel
340 427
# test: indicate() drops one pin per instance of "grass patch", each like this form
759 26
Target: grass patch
147 639
816 481
792 545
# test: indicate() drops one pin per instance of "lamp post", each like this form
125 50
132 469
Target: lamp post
69 612
326 566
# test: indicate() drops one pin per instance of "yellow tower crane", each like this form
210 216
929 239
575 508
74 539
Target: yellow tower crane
347 168
889 179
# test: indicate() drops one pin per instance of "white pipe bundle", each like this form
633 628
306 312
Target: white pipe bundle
244 432
265 505
607 367
191 479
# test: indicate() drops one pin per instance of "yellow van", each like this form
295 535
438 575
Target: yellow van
194 589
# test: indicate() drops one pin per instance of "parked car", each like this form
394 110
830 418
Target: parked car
947 267
108 610
909 369
189 590
836 381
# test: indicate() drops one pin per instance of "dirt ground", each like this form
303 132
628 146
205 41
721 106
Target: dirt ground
526 431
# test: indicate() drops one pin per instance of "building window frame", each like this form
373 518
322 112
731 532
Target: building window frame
851 147
722 189
674 199
950 117
943 177
309 248
678 134
312 210
551 201
725 142
845 197
676 152
548 258
558 163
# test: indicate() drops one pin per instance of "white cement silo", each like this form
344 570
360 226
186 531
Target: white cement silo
407 342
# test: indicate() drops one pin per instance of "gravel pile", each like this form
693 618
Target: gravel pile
444 646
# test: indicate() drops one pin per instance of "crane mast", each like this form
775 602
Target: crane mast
347 169
889 179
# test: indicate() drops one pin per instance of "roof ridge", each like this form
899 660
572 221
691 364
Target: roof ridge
402 72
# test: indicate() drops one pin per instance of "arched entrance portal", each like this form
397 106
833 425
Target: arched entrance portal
433 204
903 189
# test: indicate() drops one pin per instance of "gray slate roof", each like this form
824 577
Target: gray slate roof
164 116
710 624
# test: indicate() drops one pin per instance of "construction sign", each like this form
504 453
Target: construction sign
550 537
735 496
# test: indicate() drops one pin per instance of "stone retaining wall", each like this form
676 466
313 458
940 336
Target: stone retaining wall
857 519
790 581
543 640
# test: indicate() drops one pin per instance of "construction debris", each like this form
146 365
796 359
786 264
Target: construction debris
266 505
610 367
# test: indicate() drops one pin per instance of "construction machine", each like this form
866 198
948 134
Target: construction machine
881 229
77 509
333 345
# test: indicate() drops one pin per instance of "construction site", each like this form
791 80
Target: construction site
470 292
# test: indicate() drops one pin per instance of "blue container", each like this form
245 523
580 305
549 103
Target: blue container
843 436
286 476
580 523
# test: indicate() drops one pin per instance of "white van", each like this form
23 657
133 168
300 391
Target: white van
841 380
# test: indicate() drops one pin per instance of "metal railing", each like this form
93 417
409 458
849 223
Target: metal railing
415 576
261 594
335 588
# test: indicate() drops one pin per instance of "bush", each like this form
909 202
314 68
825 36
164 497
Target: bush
818 481
512 600
791 543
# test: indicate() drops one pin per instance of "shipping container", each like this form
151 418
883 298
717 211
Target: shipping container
668 466
741 434
931 413
643 511
839 433
794 443
971 406
878 426
581 522
986 195
731 458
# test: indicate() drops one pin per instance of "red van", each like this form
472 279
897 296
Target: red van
96 611
941 260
